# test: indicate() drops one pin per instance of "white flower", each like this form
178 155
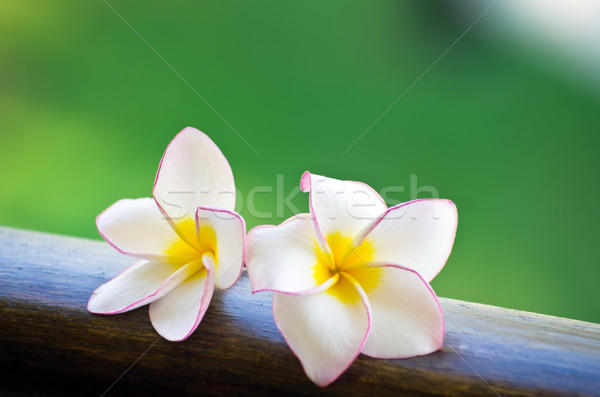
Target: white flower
353 276
187 239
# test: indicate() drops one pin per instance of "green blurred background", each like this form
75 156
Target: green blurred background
504 124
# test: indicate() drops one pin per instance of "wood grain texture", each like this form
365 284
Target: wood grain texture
50 344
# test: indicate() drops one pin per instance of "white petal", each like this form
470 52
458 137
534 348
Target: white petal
176 315
193 173
139 284
407 319
324 332
344 207
230 233
285 258
418 235
137 227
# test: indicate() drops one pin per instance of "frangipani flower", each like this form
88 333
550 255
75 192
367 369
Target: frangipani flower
353 276
187 239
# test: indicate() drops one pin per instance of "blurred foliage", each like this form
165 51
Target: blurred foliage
87 108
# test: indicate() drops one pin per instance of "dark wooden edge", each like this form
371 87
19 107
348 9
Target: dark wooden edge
50 344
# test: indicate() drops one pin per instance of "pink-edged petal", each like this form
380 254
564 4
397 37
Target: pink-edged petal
344 207
407 317
176 315
193 173
230 232
418 234
139 284
286 258
325 332
137 227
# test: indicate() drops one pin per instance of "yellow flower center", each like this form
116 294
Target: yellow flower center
349 264
190 247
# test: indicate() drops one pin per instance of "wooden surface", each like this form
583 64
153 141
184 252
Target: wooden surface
50 344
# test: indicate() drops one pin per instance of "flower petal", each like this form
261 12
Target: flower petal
139 284
230 232
344 207
193 173
407 317
325 332
286 258
418 234
176 315
137 227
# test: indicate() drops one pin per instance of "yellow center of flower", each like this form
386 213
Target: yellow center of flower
349 264
190 247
